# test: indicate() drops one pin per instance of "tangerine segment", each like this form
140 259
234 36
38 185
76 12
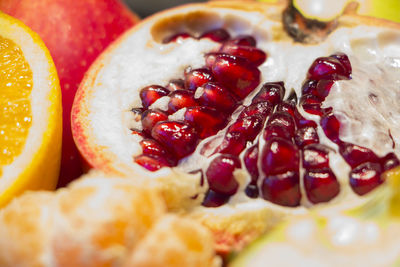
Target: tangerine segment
16 82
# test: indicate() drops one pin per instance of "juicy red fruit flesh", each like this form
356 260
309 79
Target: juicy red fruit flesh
207 121
177 137
365 178
252 54
216 35
321 185
151 94
151 117
328 68
237 74
197 77
282 189
218 97
220 174
180 99
279 156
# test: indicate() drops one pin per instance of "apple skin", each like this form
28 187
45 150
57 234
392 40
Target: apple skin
75 32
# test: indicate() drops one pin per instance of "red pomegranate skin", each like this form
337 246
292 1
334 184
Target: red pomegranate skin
75 32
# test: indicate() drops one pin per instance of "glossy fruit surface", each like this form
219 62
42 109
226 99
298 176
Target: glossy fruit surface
75 32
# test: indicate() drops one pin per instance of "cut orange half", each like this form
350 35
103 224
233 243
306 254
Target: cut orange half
30 112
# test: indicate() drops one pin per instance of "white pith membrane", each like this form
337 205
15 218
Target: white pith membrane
126 70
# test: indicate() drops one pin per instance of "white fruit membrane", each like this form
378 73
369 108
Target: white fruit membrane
366 105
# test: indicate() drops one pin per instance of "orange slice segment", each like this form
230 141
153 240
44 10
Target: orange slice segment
30 112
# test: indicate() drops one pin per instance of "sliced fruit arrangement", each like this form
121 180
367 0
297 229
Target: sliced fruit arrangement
31 115
101 220
75 32
367 235
241 124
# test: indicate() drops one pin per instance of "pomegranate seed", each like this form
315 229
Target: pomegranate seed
214 199
270 92
207 121
275 130
287 107
216 35
323 88
345 62
236 74
151 163
151 93
233 143
151 147
248 127
220 174
279 156
309 87
176 37
252 54
176 84
252 191
311 104
305 136
197 77
321 185
260 109
177 137
180 99
282 189
247 40
315 156
151 117
331 126
328 68
354 155
216 96
284 120
320 88
365 178
390 161
250 160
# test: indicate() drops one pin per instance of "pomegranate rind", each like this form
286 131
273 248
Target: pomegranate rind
184 190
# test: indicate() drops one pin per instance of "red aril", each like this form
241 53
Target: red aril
178 137
220 174
151 94
282 189
180 99
197 77
217 35
216 96
207 121
321 185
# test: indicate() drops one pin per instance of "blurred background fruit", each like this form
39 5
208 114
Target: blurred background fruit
30 117
75 32
327 9
146 8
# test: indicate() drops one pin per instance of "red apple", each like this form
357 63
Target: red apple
75 32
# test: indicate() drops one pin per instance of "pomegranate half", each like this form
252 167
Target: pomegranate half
241 125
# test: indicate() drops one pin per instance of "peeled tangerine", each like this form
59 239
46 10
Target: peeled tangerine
364 236
100 220
240 123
